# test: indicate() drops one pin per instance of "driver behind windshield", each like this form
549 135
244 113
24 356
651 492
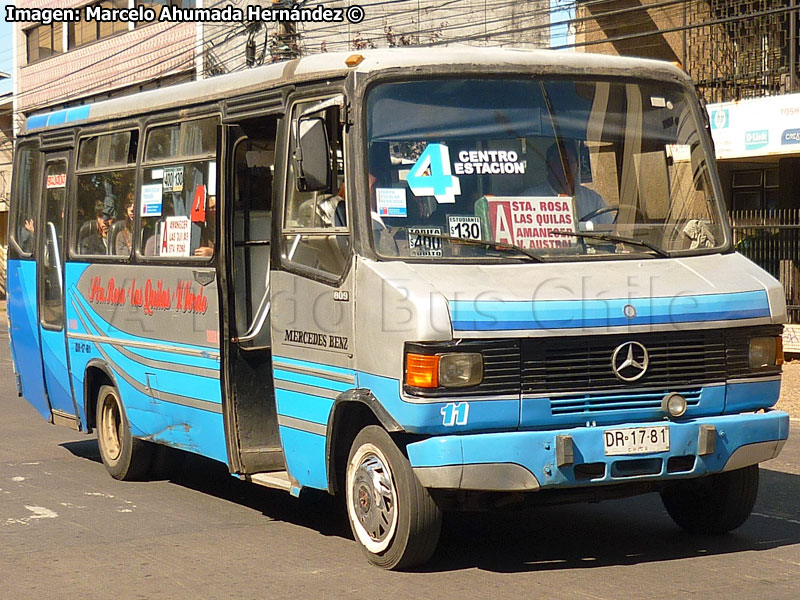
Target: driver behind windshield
561 183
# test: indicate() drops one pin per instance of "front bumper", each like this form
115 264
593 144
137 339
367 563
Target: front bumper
530 460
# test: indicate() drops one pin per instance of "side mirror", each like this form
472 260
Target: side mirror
312 156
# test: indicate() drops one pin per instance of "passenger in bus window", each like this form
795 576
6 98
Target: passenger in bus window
151 244
93 237
559 183
26 236
109 199
124 236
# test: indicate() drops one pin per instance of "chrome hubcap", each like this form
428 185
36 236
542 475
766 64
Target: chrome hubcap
373 498
110 427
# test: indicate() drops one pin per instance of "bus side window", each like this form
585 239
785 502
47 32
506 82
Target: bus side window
25 207
103 217
178 195
315 230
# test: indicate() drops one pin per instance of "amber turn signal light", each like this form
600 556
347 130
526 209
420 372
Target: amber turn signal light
353 60
422 370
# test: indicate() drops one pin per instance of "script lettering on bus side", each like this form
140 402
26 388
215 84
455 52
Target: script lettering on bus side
150 297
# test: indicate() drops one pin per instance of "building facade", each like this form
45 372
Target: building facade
744 57
6 147
739 53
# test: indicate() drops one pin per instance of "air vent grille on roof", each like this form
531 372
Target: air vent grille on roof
271 102
55 140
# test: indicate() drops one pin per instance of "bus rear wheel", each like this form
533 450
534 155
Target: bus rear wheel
394 519
125 457
714 504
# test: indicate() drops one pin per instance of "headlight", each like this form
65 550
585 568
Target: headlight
765 352
452 369
460 369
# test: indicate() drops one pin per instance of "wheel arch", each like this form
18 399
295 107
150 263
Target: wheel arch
351 412
97 374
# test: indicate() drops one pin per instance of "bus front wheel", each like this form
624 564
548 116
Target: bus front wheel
714 504
394 519
124 456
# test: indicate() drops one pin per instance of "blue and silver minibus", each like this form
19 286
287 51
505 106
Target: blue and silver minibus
425 281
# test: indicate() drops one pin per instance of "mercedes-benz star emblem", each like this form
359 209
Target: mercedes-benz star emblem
629 361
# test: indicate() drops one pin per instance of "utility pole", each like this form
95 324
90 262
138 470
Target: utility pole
284 42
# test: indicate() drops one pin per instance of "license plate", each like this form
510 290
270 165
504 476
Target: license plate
636 440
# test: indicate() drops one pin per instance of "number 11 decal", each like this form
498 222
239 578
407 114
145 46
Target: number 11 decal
455 413
431 175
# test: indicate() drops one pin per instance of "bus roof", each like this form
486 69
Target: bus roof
318 66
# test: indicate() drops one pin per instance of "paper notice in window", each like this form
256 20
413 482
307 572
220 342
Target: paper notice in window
152 196
177 237
679 152
391 202
533 222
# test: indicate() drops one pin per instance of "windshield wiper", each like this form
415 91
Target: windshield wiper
487 243
608 237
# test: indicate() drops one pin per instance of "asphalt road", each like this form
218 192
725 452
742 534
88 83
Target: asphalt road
67 530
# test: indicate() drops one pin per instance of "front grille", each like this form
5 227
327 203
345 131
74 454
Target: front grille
677 359
500 370
575 371
584 363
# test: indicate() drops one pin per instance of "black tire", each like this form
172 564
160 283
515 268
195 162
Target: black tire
714 504
403 535
125 457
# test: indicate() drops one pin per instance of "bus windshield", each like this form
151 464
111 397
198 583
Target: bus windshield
559 168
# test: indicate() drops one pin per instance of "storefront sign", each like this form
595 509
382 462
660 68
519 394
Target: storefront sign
757 127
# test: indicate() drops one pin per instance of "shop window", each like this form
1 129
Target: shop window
755 189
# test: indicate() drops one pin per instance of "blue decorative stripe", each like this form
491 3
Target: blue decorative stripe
312 365
79 113
195 387
303 406
36 121
305 457
59 117
480 315
319 382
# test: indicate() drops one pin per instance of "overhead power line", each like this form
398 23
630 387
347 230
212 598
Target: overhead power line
400 22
